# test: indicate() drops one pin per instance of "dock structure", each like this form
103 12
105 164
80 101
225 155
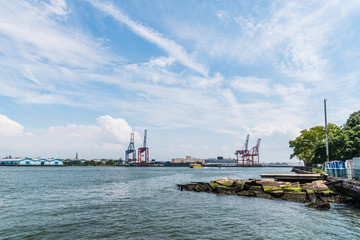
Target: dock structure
294 177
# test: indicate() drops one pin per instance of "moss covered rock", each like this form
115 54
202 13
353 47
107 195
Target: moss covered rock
314 192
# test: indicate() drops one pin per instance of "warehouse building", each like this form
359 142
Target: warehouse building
31 162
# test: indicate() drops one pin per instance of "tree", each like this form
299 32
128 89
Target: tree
308 141
353 121
344 144
338 147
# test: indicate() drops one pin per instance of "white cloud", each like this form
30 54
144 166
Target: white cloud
42 57
221 14
57 6
280 49
175 50
108 129
161 62
205 82
252 84
155 71
108 138
117 127
9 127
38 38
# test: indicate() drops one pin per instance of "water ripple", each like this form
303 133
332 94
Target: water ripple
144 203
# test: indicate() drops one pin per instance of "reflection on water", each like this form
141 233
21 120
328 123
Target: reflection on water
144 203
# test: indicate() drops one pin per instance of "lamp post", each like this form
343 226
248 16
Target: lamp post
326 133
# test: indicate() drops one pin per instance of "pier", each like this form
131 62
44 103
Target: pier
294 177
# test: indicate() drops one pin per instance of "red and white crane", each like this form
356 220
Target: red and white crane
247 157
143 151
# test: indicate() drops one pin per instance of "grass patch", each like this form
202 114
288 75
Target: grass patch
295 189
310 191
214 185
327 192
227 184
271 188
315 170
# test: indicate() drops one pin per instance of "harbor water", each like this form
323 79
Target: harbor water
145 203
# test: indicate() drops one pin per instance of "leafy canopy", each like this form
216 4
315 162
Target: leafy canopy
305 144
344 142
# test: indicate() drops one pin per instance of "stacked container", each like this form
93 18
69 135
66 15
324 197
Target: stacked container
337 169
349 168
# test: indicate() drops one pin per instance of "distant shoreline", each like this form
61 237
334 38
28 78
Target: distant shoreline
142 166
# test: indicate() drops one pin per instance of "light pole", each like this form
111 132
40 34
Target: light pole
326 133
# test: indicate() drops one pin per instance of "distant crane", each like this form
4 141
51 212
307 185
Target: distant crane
246 145
246 157
131 149
254 154
144 149
241 154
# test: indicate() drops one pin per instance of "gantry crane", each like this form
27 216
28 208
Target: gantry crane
241 154
245 157
143 151
254 154
131 149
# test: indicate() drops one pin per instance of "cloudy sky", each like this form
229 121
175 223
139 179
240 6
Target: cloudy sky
80 76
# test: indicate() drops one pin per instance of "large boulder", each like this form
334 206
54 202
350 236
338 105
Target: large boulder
275 192
284 184
311 195
294 196
268 183
295 184
315 192
222 180
224 190
197 187
316 186
320 205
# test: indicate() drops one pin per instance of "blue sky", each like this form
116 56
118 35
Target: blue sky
80 76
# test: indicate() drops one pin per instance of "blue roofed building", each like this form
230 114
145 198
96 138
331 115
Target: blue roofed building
31 162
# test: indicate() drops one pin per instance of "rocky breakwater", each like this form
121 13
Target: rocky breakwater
316 193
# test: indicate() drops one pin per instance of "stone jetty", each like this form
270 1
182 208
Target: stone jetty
316 193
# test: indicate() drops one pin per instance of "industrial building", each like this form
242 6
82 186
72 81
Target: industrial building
210 162
187 160
220 161
31 162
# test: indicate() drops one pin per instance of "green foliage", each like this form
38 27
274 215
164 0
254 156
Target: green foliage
110 163
343 145
308 141
344 142
353 121
214 184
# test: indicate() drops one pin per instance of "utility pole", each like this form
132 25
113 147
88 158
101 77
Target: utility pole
326 134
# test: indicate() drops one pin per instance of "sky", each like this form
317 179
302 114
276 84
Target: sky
80 76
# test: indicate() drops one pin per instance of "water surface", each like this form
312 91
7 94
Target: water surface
145 203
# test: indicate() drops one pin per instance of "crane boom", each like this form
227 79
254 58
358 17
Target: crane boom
246 146
145 133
